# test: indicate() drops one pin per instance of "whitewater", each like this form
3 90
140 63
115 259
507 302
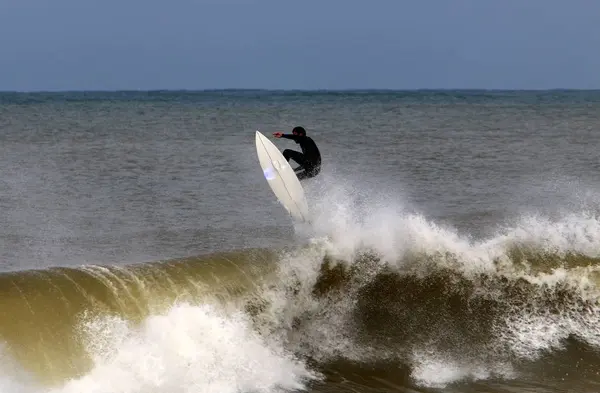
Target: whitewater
375 285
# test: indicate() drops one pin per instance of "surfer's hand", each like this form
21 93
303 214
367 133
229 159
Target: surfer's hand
277 134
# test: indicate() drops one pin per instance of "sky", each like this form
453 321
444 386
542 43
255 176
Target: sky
327 44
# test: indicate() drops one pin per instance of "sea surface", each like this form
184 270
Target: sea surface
454 244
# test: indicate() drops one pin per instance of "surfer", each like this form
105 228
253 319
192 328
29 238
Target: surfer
310 158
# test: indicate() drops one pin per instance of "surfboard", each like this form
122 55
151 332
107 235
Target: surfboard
281 178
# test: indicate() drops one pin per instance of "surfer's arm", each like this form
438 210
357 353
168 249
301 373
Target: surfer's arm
286 136
290 136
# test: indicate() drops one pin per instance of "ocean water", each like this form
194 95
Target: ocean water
455 243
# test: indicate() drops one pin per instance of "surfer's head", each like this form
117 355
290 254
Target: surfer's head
299 131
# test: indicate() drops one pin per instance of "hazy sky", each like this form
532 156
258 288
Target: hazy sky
328 44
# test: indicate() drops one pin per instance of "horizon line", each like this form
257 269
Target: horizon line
315 90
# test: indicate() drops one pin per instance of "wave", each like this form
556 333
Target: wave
408 304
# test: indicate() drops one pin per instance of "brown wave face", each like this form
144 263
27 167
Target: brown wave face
42 309
364 324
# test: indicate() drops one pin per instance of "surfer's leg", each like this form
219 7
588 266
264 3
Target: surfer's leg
294 155
308 172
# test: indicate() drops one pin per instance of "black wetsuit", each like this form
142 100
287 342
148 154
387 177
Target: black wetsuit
309 159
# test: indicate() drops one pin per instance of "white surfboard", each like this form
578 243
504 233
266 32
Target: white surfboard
281 178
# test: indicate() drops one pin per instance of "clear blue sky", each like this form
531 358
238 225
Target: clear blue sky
284 44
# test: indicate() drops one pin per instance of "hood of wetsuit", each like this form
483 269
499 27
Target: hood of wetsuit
299 130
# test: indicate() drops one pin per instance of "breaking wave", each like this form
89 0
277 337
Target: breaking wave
384 299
